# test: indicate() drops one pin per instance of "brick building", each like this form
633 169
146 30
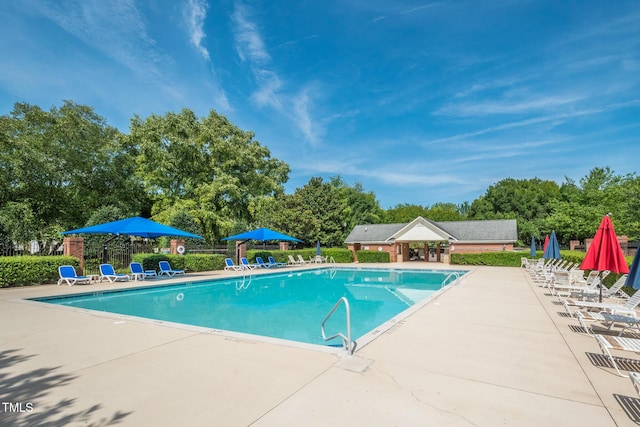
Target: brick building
434 240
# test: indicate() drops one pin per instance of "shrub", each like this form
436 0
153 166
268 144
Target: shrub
32 270
188 263
373 256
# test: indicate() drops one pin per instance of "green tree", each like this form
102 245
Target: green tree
443 212
404 212
64 163
207 166
324 211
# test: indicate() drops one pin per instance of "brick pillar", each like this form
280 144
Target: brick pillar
74 246
241 250
438 258
587 244
284 246
174 246
624 244
573 244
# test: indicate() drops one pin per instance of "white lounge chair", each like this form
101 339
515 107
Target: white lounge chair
591 285
563 290
593 294
612 342
635 380
293 261
629 307
301 260
608 319
107 272
68 275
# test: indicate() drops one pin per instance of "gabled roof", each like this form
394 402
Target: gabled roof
421 229
493 230
373 233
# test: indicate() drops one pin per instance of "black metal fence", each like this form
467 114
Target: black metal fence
118 252
33 248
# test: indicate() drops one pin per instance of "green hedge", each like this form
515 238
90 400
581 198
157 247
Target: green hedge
373 256
190 263
32 270
339 255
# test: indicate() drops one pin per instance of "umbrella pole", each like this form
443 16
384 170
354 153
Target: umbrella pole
600 285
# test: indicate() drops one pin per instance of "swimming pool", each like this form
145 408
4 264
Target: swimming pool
289 304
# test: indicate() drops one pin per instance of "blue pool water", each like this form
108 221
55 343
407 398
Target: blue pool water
289 304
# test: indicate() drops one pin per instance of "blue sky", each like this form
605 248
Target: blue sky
420 102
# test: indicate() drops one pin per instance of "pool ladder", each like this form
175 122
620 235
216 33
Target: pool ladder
244 284
347 345
455 276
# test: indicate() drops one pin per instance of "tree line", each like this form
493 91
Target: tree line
67 167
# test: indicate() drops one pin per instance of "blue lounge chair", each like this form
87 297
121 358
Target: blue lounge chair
137 272
165 268
261 263
107 272
68 275
231 266
275 263
246 264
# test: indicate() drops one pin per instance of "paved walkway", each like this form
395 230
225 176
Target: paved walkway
492 350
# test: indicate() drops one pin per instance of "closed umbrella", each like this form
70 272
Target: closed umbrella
553 249
546 242
533 247
633 279
605 252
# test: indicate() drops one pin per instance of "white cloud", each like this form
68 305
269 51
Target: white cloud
271 89
302 117
195 14
250 46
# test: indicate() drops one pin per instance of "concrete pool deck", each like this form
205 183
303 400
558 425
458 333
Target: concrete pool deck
491 350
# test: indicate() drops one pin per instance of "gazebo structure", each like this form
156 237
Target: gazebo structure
458 236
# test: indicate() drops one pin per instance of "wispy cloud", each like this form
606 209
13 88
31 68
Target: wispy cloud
517 105
195 12
419 8
249 46
270 91
560 117
117 29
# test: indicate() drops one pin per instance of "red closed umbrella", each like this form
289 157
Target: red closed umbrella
605 252
546 242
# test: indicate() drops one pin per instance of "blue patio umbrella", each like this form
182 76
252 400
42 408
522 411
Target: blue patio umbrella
318 251
553 249
633 279
135 226
533 247
262 234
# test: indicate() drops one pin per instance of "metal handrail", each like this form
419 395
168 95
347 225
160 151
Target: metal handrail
347 344
243 285
453 274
